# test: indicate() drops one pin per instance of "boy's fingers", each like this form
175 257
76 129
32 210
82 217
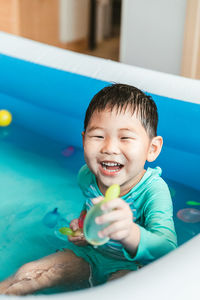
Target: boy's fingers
114 229
115 215
97 200
115 203
74 227
119 235
75 239
74 224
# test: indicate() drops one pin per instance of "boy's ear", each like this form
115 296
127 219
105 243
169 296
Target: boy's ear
155 148
83 137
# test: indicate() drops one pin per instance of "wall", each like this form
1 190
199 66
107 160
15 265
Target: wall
9 21
55 22
37 20
191 45
74 20
152 34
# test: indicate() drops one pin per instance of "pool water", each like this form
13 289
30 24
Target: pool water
39 194
35 178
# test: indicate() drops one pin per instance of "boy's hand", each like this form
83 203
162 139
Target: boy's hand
78 240
121 227
119 214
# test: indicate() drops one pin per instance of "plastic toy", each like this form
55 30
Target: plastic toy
69 232
195 203
51 218
68 151
5 118
82 218
90 227
189 215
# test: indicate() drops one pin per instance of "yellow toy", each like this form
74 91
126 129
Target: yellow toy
5 118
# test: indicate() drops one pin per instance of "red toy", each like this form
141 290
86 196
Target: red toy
81 218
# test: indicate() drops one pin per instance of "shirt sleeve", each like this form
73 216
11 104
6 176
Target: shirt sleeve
157 235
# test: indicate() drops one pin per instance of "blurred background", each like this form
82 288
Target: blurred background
162 35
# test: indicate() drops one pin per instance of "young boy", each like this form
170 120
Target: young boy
119 137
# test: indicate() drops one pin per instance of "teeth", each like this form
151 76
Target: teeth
109 164
104 167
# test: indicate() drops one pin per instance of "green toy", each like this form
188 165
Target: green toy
66 231
193 203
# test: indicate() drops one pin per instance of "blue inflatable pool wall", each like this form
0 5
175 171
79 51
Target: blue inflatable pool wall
53 103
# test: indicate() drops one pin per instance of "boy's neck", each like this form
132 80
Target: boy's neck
123 189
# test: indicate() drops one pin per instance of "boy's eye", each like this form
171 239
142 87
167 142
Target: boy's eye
98 136
126 138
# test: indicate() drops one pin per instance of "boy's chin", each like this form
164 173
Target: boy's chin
106 182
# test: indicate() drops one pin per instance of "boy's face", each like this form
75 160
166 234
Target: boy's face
116 147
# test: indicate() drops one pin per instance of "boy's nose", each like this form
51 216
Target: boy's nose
110 146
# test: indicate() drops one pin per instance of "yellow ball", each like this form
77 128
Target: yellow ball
5 118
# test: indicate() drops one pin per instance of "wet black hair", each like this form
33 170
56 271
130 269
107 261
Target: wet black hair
121 97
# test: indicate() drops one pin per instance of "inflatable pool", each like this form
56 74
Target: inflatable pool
47 90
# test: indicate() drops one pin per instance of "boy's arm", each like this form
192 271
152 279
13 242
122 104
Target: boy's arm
157 235
131 243
153 238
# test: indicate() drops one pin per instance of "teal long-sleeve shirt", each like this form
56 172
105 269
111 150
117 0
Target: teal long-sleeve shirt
151 204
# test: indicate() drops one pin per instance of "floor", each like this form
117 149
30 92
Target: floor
108 49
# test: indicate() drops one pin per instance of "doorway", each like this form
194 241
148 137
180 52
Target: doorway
104 28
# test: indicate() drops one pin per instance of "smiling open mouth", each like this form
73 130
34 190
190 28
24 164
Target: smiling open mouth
111 167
